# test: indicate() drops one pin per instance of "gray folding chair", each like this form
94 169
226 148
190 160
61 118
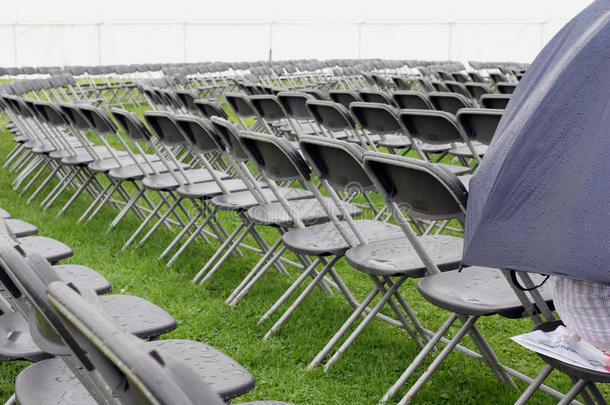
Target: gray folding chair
147 373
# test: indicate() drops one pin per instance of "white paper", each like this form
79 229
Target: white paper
562 345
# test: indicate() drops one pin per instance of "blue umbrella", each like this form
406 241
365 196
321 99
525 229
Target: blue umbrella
540 201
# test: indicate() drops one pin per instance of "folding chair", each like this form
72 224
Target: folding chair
280 160
345 97
257 195
295 106
243 109
337 122
427 191
209 109
479 123
449 102
477 90
380 119
439 127
149 373
506 87
459 88
376 96
496 101
411 99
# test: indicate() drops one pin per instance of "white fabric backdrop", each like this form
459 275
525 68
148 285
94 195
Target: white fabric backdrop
64 32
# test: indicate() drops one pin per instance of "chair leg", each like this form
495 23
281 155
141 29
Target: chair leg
309 270
574 391
11 401
346 325
301 297
218 252
256 273
531 389
466 325
387 295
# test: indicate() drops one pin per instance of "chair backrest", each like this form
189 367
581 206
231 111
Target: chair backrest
497 101
506 87
440 86
316 93
131 124
412 99
240 104
477 90
401 82
345 97
138 375
188 99
457 87
375 96
338 162
99 119
52 113
377 118
31 275
163 125
432 126
448 102
210 108
295 104
228 134
200 133
277 158
268 107
331 115
421 189
75 116
480 123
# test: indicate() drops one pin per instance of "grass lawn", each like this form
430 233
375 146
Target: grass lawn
361 376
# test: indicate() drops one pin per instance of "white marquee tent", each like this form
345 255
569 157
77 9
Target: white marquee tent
69 32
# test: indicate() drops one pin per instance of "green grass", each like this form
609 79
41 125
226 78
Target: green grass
361 376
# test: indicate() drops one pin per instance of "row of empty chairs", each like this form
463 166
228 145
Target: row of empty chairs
85 343
201 158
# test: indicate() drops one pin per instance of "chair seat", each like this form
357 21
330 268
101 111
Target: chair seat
266 403
373 137
457 170
4 214
51 249
50 382
19 228
224 375
209 189
464 151
133 172
15 340
105 165
466 180
394 141
435 148
477 291
43 147
84 157
309 211
242 201
325 239
398 257
83 276
138 316
569 369
166 181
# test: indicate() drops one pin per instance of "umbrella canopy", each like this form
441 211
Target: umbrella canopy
540 201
